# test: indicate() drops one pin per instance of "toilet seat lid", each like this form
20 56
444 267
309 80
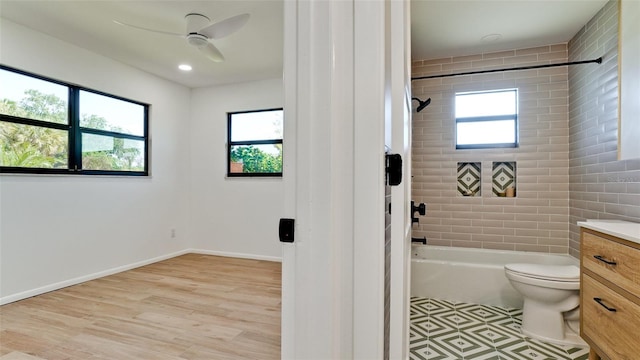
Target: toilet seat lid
546 272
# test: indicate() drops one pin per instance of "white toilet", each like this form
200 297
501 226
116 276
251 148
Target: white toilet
551 301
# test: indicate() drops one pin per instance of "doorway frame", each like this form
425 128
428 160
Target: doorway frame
334 137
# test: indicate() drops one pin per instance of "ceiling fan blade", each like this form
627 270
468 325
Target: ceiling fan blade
211 52
225 27
151 30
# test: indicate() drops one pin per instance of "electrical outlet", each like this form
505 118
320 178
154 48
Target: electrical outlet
173 233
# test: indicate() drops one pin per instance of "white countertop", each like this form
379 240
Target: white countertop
622 229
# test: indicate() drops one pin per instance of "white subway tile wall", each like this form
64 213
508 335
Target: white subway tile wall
600 186
537 219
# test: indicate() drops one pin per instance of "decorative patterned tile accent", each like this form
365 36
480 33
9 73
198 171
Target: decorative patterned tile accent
469 179
503 177
446 330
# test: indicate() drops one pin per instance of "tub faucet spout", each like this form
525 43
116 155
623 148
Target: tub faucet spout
422 240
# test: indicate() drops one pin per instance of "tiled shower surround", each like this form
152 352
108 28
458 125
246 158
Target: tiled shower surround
566 162
537 218
600 186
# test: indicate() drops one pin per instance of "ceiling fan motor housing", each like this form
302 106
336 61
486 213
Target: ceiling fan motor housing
197 40
195 22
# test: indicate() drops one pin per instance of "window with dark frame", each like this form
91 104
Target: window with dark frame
254 141
51 127
486 119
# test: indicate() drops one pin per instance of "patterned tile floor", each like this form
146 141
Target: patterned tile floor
445 330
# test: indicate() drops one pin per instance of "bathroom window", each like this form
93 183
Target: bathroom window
50 127
487 119
255 143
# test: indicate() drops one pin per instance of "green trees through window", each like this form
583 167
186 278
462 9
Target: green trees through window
255 143
255 160
34 146
104 134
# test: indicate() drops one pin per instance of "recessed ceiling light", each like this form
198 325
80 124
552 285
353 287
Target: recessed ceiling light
491 37
184 67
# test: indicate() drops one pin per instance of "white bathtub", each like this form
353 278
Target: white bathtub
471 275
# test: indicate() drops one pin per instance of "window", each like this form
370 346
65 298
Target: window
255 143
49 127
487 119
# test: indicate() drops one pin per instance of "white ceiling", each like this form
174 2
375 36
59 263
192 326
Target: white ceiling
454 28
439 29
252 53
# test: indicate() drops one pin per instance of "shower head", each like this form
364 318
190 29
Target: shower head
422 104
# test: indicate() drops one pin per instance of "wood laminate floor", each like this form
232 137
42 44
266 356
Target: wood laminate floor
188 307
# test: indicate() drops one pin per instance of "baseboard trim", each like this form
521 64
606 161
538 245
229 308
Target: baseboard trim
75 281
236 255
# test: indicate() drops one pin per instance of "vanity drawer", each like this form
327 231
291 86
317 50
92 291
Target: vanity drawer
597 251
616 331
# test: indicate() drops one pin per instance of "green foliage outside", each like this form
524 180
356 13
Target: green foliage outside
255 160
33 146
41 147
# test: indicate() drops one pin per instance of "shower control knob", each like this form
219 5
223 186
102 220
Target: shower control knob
420 209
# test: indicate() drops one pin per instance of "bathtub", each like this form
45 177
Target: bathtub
472 275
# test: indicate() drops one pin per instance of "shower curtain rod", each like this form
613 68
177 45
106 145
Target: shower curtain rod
598 60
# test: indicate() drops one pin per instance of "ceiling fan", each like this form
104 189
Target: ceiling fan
200 32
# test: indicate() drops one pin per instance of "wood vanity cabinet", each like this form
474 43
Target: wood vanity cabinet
610 296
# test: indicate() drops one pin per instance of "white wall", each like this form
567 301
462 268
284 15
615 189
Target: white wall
234 216
58 228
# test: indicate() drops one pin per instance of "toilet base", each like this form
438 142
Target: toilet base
571 337
542 323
